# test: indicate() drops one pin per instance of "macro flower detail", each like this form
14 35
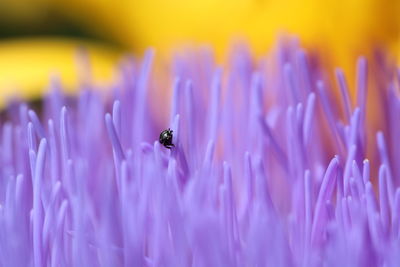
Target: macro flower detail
273 164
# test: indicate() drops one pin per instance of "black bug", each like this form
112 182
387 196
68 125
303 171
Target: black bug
166 138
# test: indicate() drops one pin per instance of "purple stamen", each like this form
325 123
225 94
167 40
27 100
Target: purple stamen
250 181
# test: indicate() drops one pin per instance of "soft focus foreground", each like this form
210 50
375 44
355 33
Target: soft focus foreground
266 171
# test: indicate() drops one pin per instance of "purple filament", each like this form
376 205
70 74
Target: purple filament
254 179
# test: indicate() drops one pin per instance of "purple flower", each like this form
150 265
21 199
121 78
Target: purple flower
269 168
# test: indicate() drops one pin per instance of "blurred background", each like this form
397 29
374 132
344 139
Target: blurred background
39 38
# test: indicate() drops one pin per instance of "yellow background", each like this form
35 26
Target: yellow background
338 30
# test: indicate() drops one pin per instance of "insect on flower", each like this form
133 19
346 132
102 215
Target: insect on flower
166 138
